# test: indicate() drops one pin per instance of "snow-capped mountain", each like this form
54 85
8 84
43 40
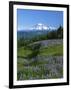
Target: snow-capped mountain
41 26
35 30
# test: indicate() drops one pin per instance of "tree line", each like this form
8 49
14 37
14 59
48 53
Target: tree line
56 34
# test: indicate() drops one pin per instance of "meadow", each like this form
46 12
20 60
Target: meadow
48 63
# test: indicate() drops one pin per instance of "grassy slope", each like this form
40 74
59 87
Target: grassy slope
37 69
55 50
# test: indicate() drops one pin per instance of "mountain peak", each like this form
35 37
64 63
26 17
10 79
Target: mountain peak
40 26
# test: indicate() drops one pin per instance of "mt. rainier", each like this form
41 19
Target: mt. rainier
41 26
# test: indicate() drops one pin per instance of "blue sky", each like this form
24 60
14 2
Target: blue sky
27 18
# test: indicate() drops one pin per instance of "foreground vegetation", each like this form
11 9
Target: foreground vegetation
48 64
56 50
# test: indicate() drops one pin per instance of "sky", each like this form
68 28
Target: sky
27 18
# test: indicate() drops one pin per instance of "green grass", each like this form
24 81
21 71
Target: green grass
55 50
26 68
23 52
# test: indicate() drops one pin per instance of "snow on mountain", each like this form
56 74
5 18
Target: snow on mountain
41 26
52 28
